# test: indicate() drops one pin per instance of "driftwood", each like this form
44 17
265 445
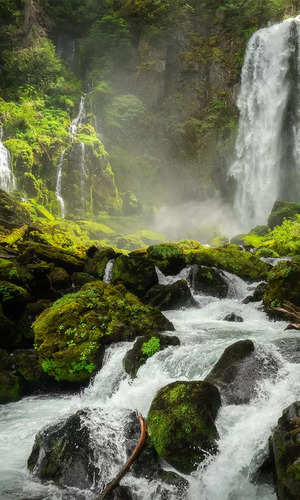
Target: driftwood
291 312
112 485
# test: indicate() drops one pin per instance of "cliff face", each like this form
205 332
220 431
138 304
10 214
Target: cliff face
161 80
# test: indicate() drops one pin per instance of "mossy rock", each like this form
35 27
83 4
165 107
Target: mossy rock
71 335
13 299
34 252
80 279
59 279
285 447
97 261
6 270
168 297
282 210
209 281
266 252
135 272
12 213
181 423
10 390
169 257
144 348
30 373
283 285
232 259
24 325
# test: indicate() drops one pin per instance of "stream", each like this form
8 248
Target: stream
244 429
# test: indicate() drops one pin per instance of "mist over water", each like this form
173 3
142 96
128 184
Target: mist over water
197 220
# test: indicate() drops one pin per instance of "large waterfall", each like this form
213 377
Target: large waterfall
267 164
74 127
7 180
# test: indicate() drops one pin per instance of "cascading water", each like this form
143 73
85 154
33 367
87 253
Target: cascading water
7 180
74 127
244 429
108 271
269 125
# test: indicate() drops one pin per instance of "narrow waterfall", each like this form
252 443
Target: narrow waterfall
267 144
7 180
74 127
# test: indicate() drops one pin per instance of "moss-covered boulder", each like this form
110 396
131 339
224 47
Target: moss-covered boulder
97 261
209 281
283 284
181 423
282 210
80 279
172 296
144 348
135 272
36 252
13 299
239 371
59 279
285 446
232 259
71 335
169 257
10 389
12 213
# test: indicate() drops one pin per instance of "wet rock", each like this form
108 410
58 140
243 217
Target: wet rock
120 493
59 279
286 450
181 423
97 261
24 325
239 370
209 281
135 272
10 389
27 367
168 257
144 348
72 334
257 295
13 299
80 279
64 453
289 348
170 297
233 318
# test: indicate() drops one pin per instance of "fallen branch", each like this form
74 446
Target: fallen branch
112 485
292 312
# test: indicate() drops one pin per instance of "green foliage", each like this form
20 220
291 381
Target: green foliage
151 347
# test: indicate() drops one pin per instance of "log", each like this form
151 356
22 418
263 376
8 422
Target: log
110 487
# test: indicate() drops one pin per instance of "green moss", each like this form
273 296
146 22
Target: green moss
283 284
151 347
71 335
9 388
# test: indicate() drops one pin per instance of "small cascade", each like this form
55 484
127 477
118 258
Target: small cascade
7 180
267 147
169 280
237 288
108 271
75 125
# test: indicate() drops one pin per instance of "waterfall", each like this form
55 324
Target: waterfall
108 271
74 127
267 142
7 180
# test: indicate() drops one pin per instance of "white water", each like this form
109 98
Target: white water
108 271
7 180
74 127
263 99
244 430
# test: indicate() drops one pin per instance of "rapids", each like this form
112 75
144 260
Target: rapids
244 429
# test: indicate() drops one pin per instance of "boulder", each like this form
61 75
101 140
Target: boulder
172 296
135 272
10 389
285 443
234 318
72 334
29 371
36 252
209 281
24 326
239 370
282 210
257 295
181 423
80 279
97 260
283 285
12 213
64 453
59 279
13 299
144 348
168 257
